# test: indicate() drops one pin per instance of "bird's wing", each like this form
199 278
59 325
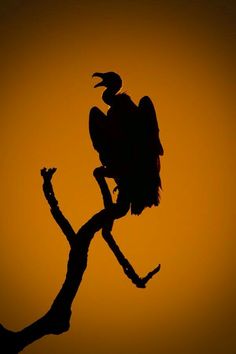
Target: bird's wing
98 129
148 126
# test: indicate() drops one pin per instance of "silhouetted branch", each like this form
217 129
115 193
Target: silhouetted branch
127 267
53 203
106 233
57 319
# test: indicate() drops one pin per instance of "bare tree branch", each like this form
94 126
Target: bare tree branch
57 319
63 223
127 267
106 233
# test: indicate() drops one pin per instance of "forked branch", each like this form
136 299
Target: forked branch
57 319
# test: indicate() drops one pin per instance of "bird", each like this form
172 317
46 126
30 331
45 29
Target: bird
128 143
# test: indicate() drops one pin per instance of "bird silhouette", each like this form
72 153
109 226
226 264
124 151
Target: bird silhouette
128 143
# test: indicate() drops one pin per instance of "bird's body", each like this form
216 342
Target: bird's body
127 140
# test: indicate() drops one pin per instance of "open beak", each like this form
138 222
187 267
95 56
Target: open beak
102 83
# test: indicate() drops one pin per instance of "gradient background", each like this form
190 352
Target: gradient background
181 54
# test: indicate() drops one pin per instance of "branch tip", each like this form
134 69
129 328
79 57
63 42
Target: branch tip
47 173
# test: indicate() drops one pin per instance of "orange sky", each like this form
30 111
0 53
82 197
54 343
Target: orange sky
182 55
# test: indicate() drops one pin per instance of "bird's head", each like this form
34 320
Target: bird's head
110 80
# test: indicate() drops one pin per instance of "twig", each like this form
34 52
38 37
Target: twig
127 267
63 223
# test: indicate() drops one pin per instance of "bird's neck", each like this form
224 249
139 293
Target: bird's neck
109 95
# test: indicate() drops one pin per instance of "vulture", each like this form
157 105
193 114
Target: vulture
127 141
